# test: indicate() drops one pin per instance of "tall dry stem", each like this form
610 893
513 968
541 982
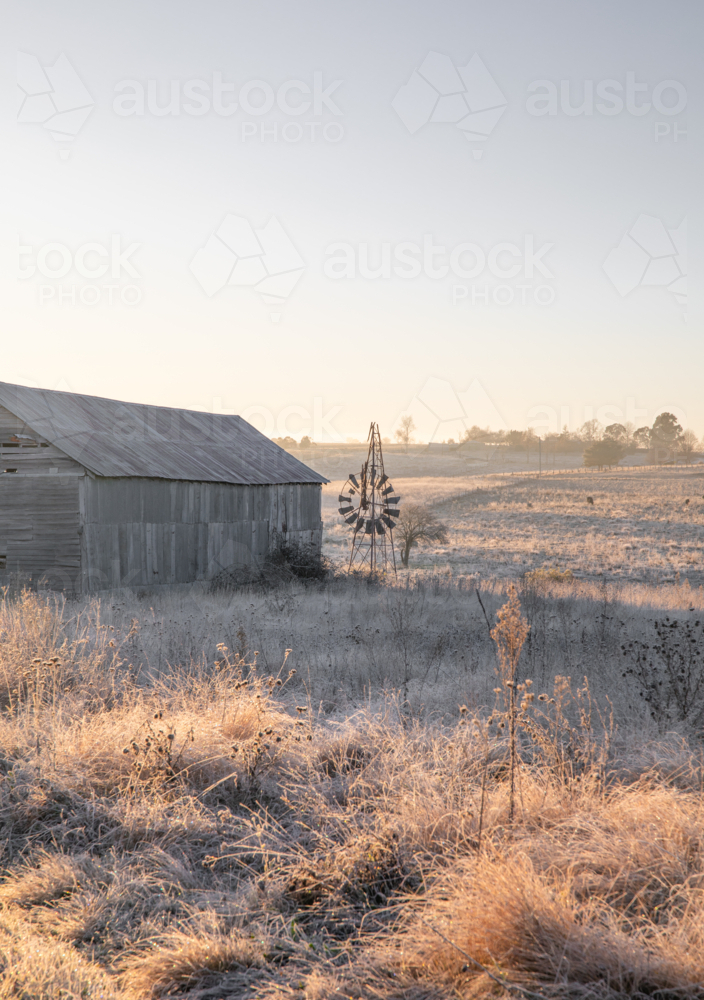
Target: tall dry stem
509 634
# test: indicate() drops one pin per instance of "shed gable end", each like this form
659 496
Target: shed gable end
24 452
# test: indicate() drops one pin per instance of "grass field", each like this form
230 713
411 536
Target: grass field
643 526
304 789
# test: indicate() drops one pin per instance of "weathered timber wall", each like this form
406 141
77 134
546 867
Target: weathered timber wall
83 533
39 529
138 532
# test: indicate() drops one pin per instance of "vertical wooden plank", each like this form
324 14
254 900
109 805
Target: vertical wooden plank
173 576
114 542
81 531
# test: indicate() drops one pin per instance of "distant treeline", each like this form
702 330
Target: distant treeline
615 440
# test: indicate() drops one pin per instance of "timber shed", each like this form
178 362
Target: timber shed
96 493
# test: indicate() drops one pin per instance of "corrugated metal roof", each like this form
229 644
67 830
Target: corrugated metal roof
112 438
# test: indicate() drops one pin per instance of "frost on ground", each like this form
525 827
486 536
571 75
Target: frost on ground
329 789
207 831
643 525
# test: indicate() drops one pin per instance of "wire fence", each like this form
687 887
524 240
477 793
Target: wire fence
579 469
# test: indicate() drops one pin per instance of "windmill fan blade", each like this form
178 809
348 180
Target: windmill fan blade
380 527
369 526
390 500
351 520
387 521
344 498
345 510
383 479
389 489
393 513
353 480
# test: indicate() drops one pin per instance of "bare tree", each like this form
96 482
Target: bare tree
418 523
591 430
688 445
404 433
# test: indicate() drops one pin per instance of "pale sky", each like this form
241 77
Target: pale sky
545 155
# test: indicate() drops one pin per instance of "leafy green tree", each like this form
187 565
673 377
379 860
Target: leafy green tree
515 439
604 452
616 432
475 433
641 437
666 431
530 439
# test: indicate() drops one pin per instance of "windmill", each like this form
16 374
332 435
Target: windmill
369 506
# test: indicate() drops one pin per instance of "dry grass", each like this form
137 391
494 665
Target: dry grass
429 639
203 831
44 968
187 958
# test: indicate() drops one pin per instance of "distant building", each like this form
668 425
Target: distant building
97 493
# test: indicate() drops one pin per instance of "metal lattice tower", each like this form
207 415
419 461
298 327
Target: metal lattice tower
369 506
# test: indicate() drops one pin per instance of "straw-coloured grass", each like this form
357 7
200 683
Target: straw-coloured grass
503 916
204 832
